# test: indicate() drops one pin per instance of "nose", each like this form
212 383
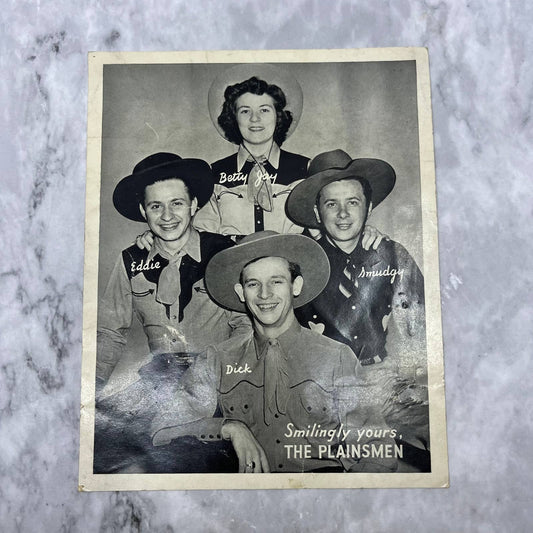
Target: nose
255 117
343 212
264 291
166 214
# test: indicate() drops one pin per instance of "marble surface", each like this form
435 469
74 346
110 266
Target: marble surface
482 83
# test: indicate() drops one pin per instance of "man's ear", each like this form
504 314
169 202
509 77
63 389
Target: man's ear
317 214
297 286
143 212
239 291
194 206
369 209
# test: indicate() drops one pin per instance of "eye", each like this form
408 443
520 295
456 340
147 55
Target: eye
178 203
154 207
243 111
353 203
251 284
266 110
330 205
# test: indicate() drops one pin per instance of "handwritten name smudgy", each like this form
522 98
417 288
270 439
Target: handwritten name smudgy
392 272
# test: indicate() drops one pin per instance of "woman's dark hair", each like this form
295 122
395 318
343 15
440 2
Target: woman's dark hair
228 121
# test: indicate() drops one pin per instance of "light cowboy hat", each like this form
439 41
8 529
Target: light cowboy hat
195 173
333 166
271 74
224 269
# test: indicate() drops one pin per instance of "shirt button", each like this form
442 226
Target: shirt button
231 408
173 340
278 441
355 336
280 466
245 406
174 317
314 316
276 415
309 408
353 306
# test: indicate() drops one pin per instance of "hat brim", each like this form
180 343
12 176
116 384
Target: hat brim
302 199
272 74
223 271
195 173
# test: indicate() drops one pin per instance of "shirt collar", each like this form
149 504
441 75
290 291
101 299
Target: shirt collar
286 340
190 248
331 246
243 155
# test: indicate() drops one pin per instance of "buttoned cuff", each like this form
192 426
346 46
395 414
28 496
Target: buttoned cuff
206 429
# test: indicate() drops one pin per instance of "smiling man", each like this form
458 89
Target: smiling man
374 299
164 288
290 399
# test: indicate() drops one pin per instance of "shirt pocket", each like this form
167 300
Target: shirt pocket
141 287
314 404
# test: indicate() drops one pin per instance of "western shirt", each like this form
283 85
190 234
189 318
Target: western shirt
325 398
229 211
187 326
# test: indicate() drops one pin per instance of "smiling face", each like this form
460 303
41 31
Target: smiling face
268 292
342 209
256 118
168 209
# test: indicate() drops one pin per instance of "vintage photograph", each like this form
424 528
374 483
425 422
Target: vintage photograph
261 298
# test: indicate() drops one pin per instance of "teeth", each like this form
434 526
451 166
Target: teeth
267 307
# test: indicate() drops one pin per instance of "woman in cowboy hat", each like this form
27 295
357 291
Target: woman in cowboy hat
255 107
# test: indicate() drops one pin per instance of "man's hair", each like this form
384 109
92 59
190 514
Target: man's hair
227 119
142 193
294 268
367 190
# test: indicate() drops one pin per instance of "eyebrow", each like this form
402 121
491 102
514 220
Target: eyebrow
276 276
161 201
249 106
356 197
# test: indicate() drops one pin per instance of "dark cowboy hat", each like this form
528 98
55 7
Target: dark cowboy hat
333 166
224 269
195 173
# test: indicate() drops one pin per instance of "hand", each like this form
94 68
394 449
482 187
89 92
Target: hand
145 240
251 455
372 238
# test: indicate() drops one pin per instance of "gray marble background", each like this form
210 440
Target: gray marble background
482 83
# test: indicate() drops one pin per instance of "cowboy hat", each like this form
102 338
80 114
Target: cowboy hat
195 173
271 74
333 166
224 269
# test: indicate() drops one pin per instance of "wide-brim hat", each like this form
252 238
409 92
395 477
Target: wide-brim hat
195 173
271 74
333 166
224 269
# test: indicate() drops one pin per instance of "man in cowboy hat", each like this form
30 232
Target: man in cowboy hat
290 398
366 288
163 287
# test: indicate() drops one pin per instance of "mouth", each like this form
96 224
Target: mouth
344 225
266 308
256 128
169 227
